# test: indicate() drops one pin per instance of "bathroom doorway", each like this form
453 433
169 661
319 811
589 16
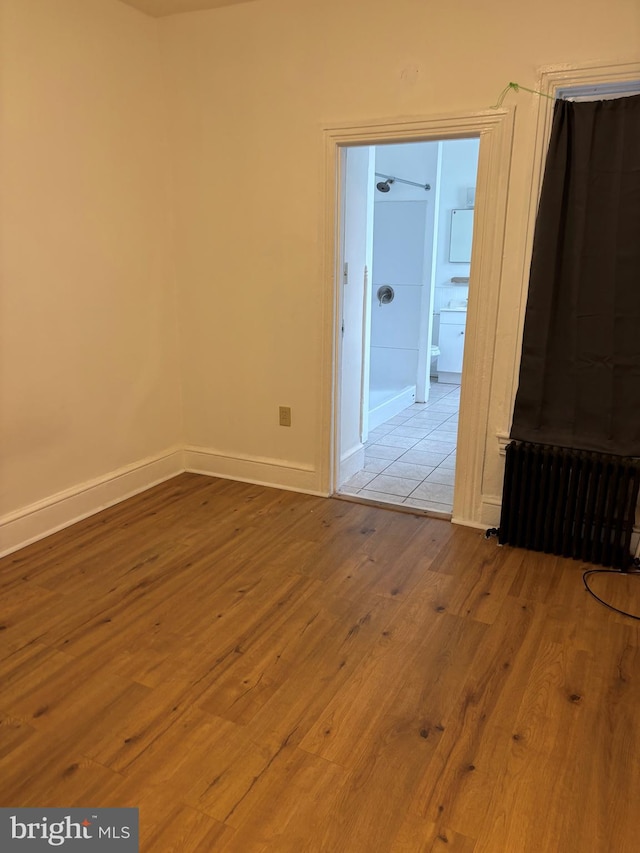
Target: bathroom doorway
406 252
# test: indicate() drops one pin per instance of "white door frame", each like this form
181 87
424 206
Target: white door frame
356 250
495 129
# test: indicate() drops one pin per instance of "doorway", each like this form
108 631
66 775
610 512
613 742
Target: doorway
406 250
473 504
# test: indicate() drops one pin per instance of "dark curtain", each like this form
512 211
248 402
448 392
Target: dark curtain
580 372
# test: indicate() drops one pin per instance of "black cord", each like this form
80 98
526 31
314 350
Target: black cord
597 597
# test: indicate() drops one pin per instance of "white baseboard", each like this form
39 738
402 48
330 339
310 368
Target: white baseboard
391 406
44 517
491 509
350 463
40 519
489 514
463 522
449 378
263 471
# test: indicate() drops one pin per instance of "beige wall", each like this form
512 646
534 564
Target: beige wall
88 339
250 89
91 367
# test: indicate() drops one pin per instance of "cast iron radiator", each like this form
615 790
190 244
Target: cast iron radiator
569 502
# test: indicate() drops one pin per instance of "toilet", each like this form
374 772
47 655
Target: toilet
435 352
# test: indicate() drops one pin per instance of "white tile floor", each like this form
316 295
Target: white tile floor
411 459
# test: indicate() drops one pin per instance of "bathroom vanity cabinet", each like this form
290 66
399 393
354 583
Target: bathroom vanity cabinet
451 343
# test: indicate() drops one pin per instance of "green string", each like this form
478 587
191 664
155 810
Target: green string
516 88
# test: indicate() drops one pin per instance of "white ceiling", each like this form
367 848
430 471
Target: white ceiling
160 8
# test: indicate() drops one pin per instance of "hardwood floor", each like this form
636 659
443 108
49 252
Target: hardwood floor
260 670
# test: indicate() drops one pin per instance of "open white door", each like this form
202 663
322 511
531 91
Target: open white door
357 254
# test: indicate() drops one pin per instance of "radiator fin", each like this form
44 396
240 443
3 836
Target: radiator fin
568 502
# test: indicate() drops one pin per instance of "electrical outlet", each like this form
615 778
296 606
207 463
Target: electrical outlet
285 416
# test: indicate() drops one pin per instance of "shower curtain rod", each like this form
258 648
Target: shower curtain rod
403 181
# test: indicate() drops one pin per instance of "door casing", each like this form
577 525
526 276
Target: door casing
495 129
